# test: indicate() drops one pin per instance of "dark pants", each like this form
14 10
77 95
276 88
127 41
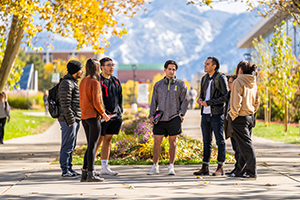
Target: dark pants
92 129
2 124
209 124
242 128
68 144
237 155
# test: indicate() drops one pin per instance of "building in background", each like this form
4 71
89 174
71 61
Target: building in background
139 72
29 79
50 55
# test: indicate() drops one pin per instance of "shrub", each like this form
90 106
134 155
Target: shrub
26 101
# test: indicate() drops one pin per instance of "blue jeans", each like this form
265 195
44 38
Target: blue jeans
209 124
68 144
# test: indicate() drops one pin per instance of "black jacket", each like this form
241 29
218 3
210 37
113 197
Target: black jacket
68 97
218 98
112 95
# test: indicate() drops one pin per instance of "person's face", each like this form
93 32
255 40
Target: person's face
170 71
108 68
230 81
78 74
209 67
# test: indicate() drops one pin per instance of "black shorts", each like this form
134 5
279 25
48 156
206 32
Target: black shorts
168 128
112 127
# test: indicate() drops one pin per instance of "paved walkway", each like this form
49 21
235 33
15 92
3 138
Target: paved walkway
26 173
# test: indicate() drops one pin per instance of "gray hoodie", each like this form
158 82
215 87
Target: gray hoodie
170 98
4 110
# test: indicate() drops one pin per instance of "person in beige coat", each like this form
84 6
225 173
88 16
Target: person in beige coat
244 103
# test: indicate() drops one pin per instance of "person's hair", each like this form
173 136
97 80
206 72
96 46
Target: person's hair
105 59
92 68
1 95
232 76
247 67
172 62
215 61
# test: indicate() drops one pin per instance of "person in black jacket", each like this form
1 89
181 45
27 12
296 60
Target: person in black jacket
69 118
212 98
113 102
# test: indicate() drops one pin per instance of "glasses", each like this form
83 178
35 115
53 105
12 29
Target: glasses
110 65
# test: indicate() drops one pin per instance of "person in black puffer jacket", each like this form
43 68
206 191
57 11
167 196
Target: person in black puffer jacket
69 118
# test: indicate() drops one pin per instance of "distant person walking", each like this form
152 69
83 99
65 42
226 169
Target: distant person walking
70 116
244 103
4 114
113 102
91 105
213 96
192 94
45 99
170 97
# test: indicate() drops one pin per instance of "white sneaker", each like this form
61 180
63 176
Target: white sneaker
153 170
107 171
171 170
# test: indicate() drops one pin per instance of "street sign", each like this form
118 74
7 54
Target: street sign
55 78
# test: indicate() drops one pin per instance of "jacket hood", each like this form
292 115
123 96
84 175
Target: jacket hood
248 79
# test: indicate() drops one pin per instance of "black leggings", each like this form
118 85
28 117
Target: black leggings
92 128
2 124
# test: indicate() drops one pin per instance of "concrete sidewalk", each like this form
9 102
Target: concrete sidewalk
26 173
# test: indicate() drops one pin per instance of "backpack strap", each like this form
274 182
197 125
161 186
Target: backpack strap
217 80
204 80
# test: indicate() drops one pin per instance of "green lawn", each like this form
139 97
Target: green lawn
22 125
276 133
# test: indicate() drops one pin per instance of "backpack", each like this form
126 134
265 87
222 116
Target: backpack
216 80
53 101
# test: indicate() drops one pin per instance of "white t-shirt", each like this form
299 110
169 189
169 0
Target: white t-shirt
206 110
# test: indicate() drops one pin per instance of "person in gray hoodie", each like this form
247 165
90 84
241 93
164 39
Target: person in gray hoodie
170 97
244 103
4 113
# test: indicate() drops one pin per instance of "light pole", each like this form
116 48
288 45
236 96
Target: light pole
134 105
247 56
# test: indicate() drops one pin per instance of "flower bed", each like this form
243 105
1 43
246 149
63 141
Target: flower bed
134 145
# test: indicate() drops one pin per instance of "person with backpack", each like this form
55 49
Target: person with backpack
244 103
113 102
4 114
69 116
212 99
91 105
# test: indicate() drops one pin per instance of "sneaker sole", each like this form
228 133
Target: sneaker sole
105 174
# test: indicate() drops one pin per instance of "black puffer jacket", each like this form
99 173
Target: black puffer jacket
68 97
218 98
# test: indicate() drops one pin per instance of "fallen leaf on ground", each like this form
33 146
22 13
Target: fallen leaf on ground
131 187
123 184
265 164
238 184
268 184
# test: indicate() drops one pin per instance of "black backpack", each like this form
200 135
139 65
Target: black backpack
53 101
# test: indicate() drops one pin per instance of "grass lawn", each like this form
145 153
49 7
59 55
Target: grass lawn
22 125
276 133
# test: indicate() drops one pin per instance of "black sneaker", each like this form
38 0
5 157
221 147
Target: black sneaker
75 173
69 175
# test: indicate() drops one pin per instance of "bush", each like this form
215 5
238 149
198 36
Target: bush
23 101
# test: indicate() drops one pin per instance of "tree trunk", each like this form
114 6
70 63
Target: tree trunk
15 37
286 114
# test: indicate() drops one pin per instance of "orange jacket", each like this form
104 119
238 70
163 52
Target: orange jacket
89 95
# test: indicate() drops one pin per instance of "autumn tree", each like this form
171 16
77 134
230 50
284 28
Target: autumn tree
262 58
90 22
284 63
264 7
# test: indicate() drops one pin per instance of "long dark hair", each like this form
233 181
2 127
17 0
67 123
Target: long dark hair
247 67
92 68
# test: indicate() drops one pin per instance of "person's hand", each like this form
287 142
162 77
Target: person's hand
199 101
8 119
105 117
204 104
151 121
181 117
70 125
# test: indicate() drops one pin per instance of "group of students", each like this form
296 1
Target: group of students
99 96
97 102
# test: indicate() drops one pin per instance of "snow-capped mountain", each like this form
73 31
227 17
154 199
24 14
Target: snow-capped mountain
181 32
